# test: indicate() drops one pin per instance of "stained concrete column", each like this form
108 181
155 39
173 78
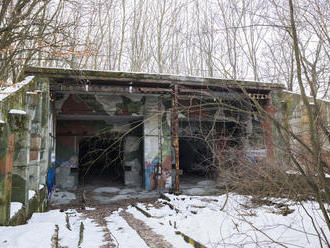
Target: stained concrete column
45 148
20 122
6 164
157 145
35 140
132 163
20 177
151 146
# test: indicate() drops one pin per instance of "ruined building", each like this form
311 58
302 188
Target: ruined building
134 129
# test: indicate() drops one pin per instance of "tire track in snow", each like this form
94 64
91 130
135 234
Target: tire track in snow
123 233
152 239
99 216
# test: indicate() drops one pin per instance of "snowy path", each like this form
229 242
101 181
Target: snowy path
123 234
153 239
241 222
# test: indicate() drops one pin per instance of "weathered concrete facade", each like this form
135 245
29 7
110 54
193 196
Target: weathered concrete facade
125 116
137 109
24 148
292 113
119 127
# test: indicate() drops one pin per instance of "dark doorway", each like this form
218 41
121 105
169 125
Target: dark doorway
195 157
100 160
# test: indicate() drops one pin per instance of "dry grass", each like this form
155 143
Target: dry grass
265 180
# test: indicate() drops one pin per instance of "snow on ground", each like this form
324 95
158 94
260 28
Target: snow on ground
293 172
89 208
14 208
125 236
201 218
160 224
106 190
62 197
107 195
213 221
32 193
41 228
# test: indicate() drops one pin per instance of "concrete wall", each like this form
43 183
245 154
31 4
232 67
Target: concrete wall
157 143
143 157
291 113
69 135
122 112
24 143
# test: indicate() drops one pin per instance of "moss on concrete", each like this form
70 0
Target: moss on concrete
33 206
4 200
19 218
13 186
91 102
144 77
18 189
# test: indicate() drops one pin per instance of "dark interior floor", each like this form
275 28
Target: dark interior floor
100 181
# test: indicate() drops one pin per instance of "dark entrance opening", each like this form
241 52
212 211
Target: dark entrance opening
100 160
195 157
203 152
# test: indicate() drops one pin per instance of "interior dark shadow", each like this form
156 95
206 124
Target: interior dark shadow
100 160
195 158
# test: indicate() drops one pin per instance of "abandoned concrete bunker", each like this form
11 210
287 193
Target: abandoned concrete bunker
122 126
83 127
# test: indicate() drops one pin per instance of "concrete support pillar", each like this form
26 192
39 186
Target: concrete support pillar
21 126
20 179
35 112
267 127
151 133
157 145
175 136
132 163
45 137
6 165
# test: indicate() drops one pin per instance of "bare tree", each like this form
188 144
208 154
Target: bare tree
30 32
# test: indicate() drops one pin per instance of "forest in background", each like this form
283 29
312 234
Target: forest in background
243 39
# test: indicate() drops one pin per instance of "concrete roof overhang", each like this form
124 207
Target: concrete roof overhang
99 81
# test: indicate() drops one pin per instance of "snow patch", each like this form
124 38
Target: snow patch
89 208
195 191
292 172
17 112
15 87
32 193
62 197
125 235
206 183
40 228
162 227
127 191
14 208
106 190
200 218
